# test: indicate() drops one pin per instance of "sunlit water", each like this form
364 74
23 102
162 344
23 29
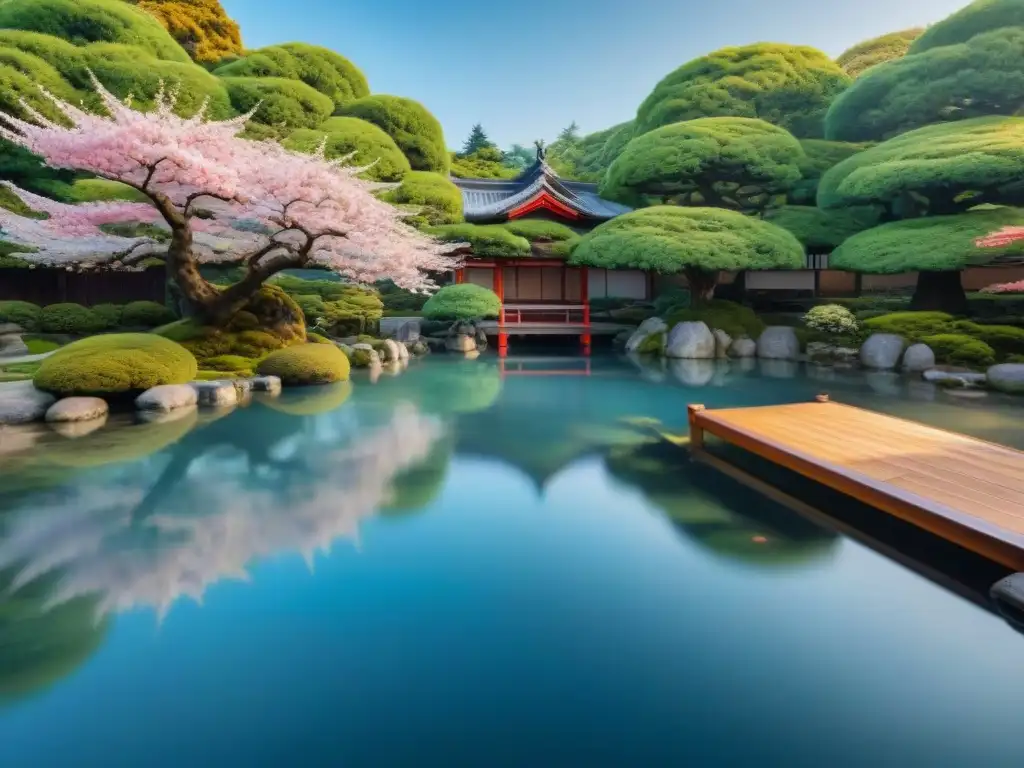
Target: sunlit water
454 567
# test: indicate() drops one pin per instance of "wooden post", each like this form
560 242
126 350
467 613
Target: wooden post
585 294
460 276
696 432
499 288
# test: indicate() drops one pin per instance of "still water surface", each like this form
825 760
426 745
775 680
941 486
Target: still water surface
451 567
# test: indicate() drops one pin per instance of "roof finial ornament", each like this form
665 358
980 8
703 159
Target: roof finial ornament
541 151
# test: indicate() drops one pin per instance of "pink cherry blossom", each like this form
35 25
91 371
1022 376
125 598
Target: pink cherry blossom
1017 287
1003 237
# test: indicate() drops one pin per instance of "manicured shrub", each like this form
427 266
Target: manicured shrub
491 240
539 230
877 50
316 338
70 318
146 314
201 27
237 364
22 313
367 144
285 104
115 364
820 230
831 319
913 326
974 19
312 306
320 68
462 302
734 319
21 75
1004 339
436 198
958 349
109 314
486 163
90 21
306 364
416 132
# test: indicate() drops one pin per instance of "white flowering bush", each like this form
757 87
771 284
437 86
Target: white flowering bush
832 319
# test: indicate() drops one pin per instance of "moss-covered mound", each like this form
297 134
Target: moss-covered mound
540 230
734 319
1000 341
280 103
363 142
115 365
416 132
70 318
306 364
491 240
145 314
21 313
434 197
961 349
462 302
820 230
877 50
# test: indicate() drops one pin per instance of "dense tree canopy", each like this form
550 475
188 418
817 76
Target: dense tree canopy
416 132
320 68
877 50
983 76
819 155
436 199
347 135
939 169
700 242
486 163
788 85
820 230
617 140
700 156
282 103
92 21
978 17
201 27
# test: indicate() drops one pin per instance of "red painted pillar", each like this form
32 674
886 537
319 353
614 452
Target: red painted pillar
460 276
499 288
585 294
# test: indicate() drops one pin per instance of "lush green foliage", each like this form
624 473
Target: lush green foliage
233 364
977 18
483 239
437 199
788 85
913 326
90 21
70 318
348 135
462 302
831 319
983 76
617 140
416 132
201 27
821 231
934 167
110 315
700 155
960 349
145 314
476 141
283 103
594 153
22 313
539 230
102 190
668 239
877 50
115 364
819 155
21 75
486 163
306 364
327 72
936 243
735 319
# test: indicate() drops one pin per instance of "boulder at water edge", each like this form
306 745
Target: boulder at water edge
391 353
166 398
77 409
460 343
778 342
722 343
21 402
269 384
408 332
918 358
648 327
743 347
1008 377
403 351
216 394
881 351
690 341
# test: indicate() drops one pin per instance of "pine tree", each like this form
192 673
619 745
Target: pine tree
570 135
477 140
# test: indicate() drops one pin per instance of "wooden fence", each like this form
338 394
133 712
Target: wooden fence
54 286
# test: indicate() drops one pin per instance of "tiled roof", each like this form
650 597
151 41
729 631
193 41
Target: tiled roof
492 199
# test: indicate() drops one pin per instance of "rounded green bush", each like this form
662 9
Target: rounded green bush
416 132
913 326
146 314
279 102
22 313
114 365
109 314
90 21
877 50
306 364
974 19
316 338
462 302
831 318
735 319
959 349
1006 340
437 199
491 240
70 318
367 144
21 75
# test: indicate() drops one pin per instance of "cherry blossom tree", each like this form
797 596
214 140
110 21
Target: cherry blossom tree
1003 237
221 197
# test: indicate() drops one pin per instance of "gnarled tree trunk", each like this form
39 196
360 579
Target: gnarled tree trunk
941 292
702 284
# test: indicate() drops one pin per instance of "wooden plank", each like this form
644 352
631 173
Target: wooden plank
968 491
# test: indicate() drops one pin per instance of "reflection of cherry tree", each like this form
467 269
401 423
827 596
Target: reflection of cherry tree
113 539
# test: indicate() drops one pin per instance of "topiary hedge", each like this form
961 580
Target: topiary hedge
367 145
540 230
109 314
115 364
146 314
416 132
491 240
279 103
70 318
913 326
306 364
462 302
960 349
436 197
22 313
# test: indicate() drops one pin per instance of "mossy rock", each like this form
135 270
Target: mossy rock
913 326
316 338
959 349
306 364
312 401
363 358
115 365
718 314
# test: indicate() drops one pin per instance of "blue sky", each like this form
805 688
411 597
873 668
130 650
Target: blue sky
526 69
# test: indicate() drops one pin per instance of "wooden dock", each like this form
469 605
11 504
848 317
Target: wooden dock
964 490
